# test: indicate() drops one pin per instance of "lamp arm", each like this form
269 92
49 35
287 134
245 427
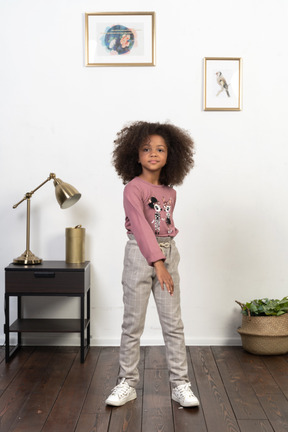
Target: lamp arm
28 195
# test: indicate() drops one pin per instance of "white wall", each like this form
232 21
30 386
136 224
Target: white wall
59 116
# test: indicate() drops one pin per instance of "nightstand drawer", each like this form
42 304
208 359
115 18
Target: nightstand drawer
45 282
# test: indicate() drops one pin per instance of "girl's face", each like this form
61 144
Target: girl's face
153 154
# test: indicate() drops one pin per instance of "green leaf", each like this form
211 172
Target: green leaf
266 307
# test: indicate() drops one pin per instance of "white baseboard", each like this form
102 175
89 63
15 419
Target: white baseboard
159 341
52 339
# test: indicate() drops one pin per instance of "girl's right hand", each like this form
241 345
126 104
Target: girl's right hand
164 276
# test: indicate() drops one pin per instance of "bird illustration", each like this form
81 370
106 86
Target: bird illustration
222 83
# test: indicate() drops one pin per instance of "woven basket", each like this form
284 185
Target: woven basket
265 335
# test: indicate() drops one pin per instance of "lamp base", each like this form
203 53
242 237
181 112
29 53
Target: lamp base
27 258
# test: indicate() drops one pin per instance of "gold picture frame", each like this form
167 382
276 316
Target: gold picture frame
120 39
222 84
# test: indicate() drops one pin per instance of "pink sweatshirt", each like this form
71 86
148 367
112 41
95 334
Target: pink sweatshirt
149 214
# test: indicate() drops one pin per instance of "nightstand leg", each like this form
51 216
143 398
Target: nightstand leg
82 329
19 313
9 353
88 318
6 328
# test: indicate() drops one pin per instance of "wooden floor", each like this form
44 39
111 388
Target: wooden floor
49 390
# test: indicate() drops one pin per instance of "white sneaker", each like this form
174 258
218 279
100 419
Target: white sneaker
121 394
184 395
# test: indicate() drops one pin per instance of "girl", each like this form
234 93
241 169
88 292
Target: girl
150 158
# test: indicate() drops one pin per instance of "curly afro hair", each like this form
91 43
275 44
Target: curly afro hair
180 151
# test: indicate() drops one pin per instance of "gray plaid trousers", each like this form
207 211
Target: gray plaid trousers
138 280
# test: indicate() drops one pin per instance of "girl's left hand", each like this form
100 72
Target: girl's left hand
164 276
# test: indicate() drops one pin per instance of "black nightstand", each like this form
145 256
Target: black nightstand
51 278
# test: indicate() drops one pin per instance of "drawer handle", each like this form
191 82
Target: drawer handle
44 274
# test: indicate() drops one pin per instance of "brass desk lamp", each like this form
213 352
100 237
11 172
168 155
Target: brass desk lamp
66 196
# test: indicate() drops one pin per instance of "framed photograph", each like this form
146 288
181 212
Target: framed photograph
120 39
222 84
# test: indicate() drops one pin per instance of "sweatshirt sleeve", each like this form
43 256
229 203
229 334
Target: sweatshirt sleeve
140 227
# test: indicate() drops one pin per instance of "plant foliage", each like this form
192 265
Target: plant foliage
265 307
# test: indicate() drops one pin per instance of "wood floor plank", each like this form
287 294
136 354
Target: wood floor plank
157 412
32 370
11 405
278 368
128 418
184 419
155 357
276 408
255 426
35 410
218 412
95 414
103 380
241 394
189 419
20 389
157 404
67 408
92 423
2 353
257 373
8 371
47 389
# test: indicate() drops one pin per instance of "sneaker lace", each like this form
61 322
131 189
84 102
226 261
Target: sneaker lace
185 390
121 389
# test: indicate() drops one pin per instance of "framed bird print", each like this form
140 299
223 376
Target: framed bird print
222 84
120 39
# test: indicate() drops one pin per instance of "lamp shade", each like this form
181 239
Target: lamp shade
66 194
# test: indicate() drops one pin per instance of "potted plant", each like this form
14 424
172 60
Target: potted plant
264 327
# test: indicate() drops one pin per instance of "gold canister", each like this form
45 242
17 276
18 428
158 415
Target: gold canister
75 245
